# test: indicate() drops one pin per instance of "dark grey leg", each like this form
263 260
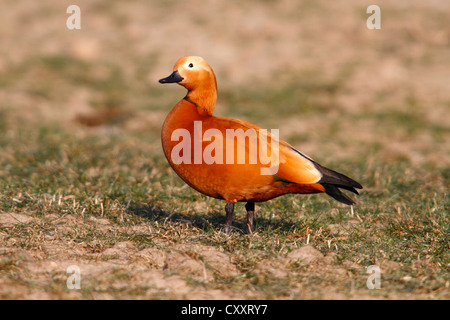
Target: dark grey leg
250 207
229 209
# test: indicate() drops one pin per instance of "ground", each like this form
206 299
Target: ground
84 182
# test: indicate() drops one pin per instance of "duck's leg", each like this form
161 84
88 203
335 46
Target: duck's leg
229 209
250 207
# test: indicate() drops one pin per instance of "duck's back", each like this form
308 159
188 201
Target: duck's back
222 157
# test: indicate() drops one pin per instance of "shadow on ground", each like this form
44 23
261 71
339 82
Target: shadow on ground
212 221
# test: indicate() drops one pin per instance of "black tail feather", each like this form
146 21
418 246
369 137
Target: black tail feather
347 188
337 194
332 181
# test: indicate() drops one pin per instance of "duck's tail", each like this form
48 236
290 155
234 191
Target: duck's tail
333 181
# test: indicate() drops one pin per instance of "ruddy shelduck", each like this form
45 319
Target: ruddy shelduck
235 171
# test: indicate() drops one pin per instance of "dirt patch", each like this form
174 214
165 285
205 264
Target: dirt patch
161 272
12 218
305 254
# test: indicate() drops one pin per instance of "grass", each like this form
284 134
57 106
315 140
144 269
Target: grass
83 179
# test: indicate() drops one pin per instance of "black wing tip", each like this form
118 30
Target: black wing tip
333 177
357 185
334 192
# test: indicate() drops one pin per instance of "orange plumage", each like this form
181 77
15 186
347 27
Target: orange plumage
226 158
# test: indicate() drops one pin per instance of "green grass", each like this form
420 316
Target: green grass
401 216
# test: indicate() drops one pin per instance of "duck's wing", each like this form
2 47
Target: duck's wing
276 156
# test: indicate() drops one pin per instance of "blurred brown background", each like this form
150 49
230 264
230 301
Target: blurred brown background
50 73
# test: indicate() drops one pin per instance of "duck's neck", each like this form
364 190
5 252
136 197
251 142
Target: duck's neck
204 98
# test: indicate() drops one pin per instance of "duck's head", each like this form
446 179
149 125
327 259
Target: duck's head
191 72
195 74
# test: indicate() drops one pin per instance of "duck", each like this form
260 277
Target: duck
229 159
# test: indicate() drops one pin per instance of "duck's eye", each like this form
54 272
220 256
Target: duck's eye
190 65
